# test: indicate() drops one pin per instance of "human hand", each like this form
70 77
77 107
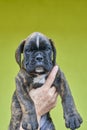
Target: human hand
45 97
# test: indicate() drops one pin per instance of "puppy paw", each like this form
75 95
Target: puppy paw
29 124
73 121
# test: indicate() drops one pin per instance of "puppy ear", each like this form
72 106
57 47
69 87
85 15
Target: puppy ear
54 51
18 53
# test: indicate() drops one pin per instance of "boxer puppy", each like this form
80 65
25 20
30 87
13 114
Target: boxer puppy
36 56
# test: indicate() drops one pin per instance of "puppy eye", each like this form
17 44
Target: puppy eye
27 51
48 49
45 48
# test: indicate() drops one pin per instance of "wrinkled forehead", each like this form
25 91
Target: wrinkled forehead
37 39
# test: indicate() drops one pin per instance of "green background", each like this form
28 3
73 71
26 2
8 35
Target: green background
65 21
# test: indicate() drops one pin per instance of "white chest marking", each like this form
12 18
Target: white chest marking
40 79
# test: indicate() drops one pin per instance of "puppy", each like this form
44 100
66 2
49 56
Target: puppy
39 57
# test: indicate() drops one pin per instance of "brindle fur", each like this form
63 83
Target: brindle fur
23 110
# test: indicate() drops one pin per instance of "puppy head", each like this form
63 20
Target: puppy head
39 54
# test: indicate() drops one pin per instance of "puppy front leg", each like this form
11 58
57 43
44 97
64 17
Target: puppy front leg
72 117
16 114
29 119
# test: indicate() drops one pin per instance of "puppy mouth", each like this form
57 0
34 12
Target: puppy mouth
39 69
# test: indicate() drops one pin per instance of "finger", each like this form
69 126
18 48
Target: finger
21 126
52 91
51 77
54 99
56 96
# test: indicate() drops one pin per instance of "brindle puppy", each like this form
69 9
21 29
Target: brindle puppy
39 57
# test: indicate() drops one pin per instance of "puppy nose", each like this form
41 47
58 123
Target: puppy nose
39 58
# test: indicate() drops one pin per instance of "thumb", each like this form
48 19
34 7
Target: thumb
51 77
